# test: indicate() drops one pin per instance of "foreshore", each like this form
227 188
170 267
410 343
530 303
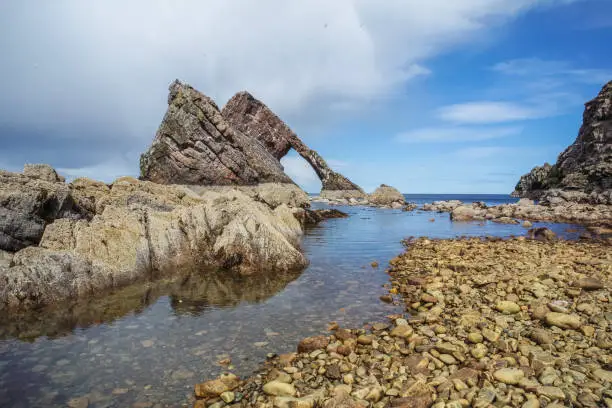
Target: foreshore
517 322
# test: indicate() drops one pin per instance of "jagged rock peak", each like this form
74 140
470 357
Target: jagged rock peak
583 172
252 117
195 145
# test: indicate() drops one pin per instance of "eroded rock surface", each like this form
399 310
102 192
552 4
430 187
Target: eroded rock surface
388 196
94 236
196 145
583 172
28 203
251 117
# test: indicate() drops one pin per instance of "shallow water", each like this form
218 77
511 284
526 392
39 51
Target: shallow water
152 342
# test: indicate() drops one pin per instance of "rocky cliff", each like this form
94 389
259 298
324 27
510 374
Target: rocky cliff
251 117
583 172
196 145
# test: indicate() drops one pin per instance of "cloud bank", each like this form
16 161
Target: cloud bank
84 83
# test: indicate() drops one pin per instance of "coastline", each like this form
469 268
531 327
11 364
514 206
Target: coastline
520 321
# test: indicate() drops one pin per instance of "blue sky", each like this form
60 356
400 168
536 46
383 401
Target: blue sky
435 97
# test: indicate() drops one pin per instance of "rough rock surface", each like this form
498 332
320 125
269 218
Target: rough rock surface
565 211
251 117
93 236
502 323
28 203
584 169
42 172
387 195
196 145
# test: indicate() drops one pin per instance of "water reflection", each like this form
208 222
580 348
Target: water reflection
188 293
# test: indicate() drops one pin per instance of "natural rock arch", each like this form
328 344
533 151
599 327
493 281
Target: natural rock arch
198 144
253 118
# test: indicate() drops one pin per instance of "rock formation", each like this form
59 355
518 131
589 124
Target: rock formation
195 145
387 196
92 236
251 117
28 202
583 172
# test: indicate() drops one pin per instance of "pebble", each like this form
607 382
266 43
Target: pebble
509 375
562 320
507 307
279 389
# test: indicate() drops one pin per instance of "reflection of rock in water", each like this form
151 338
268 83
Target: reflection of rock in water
226 288
190 293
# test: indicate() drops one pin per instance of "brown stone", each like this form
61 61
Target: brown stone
310 344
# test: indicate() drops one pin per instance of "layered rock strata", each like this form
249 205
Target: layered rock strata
196 145
251 117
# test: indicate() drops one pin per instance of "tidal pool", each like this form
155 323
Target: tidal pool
148 344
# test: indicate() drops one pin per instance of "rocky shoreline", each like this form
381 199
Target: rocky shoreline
593 215
62 241
517 322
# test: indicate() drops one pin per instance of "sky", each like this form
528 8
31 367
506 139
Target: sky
429 97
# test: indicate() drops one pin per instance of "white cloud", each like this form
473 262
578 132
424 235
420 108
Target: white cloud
73 62
456 134
539 68
481 112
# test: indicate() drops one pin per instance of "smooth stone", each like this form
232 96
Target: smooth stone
475 337
551 392
279 389
228 397
563 321
511 376
507 307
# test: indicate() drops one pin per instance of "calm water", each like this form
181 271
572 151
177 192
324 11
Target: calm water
152 342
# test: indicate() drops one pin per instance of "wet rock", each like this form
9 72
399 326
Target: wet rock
310 344
541 234
216 387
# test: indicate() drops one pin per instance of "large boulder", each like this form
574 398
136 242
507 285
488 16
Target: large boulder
387 195
251 117
196 145
585 167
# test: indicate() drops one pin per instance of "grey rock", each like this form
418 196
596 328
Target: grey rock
583 172
27 205
196 145
42 172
